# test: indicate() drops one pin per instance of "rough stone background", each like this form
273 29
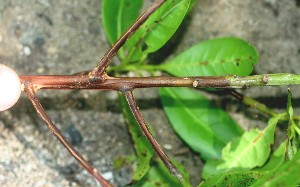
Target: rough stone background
64 37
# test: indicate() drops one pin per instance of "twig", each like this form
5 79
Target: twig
259 106
118 83
37 105
139 118
252 103
98 79
99 71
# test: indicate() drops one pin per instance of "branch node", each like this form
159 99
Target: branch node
265 79
125 88
97 77
196 82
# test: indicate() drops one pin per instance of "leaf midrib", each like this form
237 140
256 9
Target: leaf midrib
259 137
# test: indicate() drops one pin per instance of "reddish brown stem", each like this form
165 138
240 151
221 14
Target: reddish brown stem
37 105
139 118
99 71
121 83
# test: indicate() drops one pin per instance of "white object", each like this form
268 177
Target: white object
108 175
10 87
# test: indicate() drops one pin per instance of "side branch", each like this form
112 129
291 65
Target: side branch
99 71
259 106
252 103
159 151
37 105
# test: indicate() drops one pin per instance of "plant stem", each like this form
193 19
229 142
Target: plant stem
119 83
259 106
264 80
29 89
139 118
252 103
100 69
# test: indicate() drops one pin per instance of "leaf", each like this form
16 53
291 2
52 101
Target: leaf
118 15
157 30
276 159
286 175
292 140
205 128
235 178
211 168
192 3
214 57
250 150
159 176
143 149
122 161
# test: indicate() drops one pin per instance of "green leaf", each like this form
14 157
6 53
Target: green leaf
211 168
234 178
192 3
159 176
293 137
250 150
214 57
286 175
120 162
276 159
118 15
143 149
205 128
157 30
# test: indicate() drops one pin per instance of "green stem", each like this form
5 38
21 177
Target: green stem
260 106
253 103
263 80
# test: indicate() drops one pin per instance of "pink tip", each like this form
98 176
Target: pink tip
10 87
